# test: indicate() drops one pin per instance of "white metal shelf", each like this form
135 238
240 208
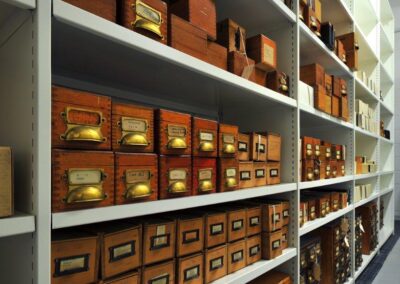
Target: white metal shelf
373 196
368 52
365 176
387 172
386 191
257 269
325 182
18 224
315 224
386 78
387 141
363 92
386 45
384 235
385 108
23 4
366 260
365 132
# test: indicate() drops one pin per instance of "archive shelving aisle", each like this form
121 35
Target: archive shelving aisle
47 42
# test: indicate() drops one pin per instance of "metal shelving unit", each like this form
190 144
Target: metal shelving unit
38 48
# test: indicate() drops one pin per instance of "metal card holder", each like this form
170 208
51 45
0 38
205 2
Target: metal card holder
71 265
147 18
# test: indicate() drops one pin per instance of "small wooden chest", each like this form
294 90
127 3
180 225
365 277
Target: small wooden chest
313 75
216 263
312 21
175 176
254 217
246 175
260 173
7 182
351 47
236 256
190 235
274 144
174 133
204 137
228 175
106 9
147 17
215 228
132 128
279 82
285 237
217 55
80 120
258 147
136 177
232 36
190 269
227 141
263 51
204 175
273 170
253 249
236 218
243 147
272 244
128 278
82 179
158 240
159 273
74 257
271 216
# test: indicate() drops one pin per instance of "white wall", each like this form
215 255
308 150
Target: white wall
397 118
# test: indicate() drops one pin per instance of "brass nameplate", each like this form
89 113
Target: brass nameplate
80 116
84 176
205 174
134 176
230 172
133 124
237 256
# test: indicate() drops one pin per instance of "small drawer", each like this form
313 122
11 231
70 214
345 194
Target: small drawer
236 224
258 147
254 217
272 244
216 263
260 173
253 249
227 141
273 170
236 256
246 175
159 273
190 235
228 170
190 269
215 229
243 147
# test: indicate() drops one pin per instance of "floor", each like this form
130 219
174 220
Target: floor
384 268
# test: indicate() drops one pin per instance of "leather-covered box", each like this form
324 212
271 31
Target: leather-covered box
159 237
258 147
82 179
147 17
271 216
201 13
236 219
260 173
216 263
273 170
313 74
236 256
190 234
204 137
175 176
136 177
231 35
190 269
351 47
278 81
227 141
285 237
228 175
204 175
106 9
187 38
254 217
263 51
217 55
132 128
253 249
243 147
246 175
272 244
174 133
159 273
7 182
308 149
274 145
80 120
311 20
74 257
128 278
215 228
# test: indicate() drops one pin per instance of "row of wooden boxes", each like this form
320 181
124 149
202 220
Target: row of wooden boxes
316 204
190 26
205 244
369 227
358 233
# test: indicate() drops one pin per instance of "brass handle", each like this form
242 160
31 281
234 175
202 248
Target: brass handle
231 182
310 176
356 46
205 186
82 194
177 143
309 153
317 153
229 149
138 190
334 173
147 18
206 146
177 187
84 133
283 88
147 25
134 139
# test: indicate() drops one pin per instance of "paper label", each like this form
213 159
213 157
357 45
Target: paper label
217 229
122 251
237 256
133 124
164 279
245 175
206 136
77 177
177 174
273 172
254 221
205 174
230 172
242 147
260 173
216 263
237 225
133 176
254 250
176 130
192 273
72 264
149 14
269 55
276 244
228 138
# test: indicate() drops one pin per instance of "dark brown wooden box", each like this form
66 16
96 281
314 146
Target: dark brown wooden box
204 137
106 9
80 120
216 263
272 244
279 82
246 175
82 179
308 149
132 128
344 108
175 176
271 216
260 173
147 17
321 100
231 35
227 141
190 235
335 106
159 273
263 51
317 147
254 217
136 177
340 51
204 175
273 170
190 269
312 21
341 168
313 74
217 55
243 147
228 175
351 47
333 164
253 249
258 147
236 256
215 228
307 170
242 66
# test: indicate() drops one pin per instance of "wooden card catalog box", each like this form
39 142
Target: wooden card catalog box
7 183
321 100
263 51
159 273
216 263
243 147
228 173
278 81
175 176
271 216
204 175
204 137
253 249
227 141
236 256
308 148
190 269
274 146
217 55
273 170
231 35
254 217
236 218
272 244
258 147
260 173
246 175
313 75
190 235
106 9
215 228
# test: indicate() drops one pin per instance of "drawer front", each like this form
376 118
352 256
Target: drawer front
190 269
272 245
236 256
175 177
228 141
158 242
160 273
236 225
253 224
253 249
228 170
216 229
216 263
190 236
204 137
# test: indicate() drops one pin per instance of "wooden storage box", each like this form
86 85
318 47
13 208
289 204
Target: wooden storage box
254 216
80 120
341 168
201 13
217 55
228 175
335 110
326 150
272 244
128 278
263 51
74 257
204 137
344 108
260 173
7 182
227 141
312 21
132 128
158 240
351 47
285 213
279 82
321 100
271 216
285 237
242 66
190 269
253 249
243 147
307 170
304 210
340 51
106 9
175 177
136 177
216 263
81 179
236 218
335 198
236 256
159 273
231 35
204 175
274 145
273 173
308 149
246 175
317 148
147 17
258 147
313 75
190 234
187 38
311 206
333 165
273 277
215 228
174 133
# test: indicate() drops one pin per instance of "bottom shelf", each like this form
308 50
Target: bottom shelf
257 269
366 260
384 235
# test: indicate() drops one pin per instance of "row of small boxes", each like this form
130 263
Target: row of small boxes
362 191
310 259
365 166
370 218
358 232
365 117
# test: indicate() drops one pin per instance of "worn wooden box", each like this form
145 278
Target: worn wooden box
285 237
307 170
321 99
159 273
201 13
228 175
274 146
136 177
158 240
106 9
81 179
326 150
271 216
334 170
328 102
74 257
236 218
80 120
351 47
246 175
272 244
253 249
243 147
260 173
147 17
7 182
216 263
278 81
132 128
217 55
258 147
254 217
204 175
231 35
236 256
215 228
273 170
243 66
340 51
263 51
227 141
190 234
204 137
313 74
175 176
312 21
308 149
128 278
191 269
174 133
303 213
341 168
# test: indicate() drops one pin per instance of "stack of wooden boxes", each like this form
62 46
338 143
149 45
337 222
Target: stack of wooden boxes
310 260
370 219
358 233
